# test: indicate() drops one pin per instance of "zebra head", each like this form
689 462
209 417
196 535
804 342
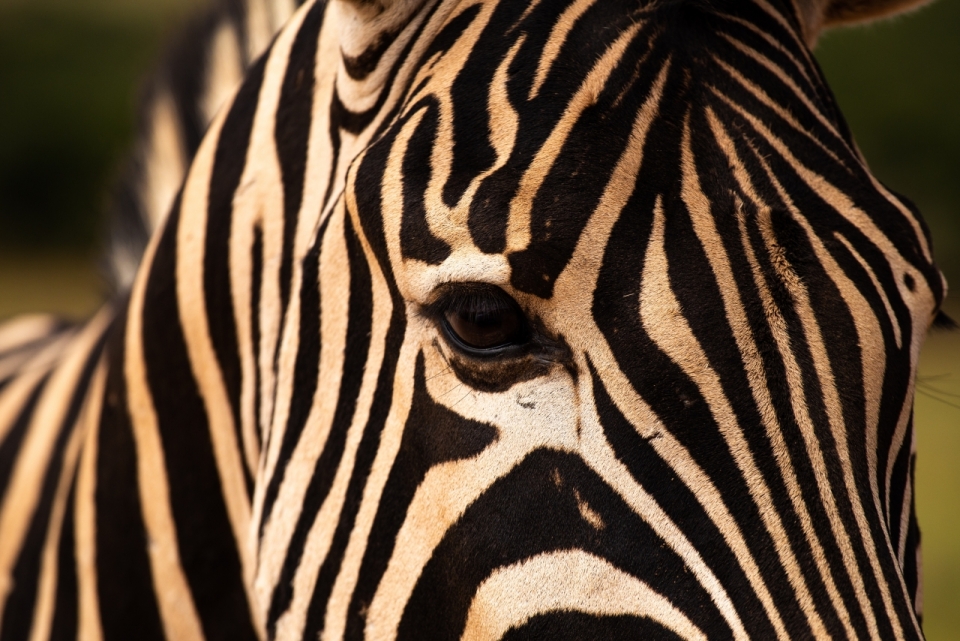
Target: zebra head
559 320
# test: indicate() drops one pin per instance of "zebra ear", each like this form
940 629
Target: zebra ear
817 15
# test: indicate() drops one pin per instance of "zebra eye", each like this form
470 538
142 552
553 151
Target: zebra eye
487 320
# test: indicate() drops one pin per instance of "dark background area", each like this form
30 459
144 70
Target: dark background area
69 72
68 78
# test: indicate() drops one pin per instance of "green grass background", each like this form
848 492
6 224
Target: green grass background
69 70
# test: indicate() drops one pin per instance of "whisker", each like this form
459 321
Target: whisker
929 388
461 398
937 398
452 389
445 371
934 377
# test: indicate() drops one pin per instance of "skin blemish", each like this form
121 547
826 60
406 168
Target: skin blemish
525 403
588 513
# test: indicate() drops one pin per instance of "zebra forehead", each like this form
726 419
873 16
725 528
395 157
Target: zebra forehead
528 124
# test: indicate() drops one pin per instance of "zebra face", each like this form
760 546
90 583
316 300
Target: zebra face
659 332
482 319
601 328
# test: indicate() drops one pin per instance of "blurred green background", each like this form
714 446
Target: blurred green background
69 72
69 76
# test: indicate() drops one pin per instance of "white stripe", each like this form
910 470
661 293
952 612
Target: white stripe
571 581
23 330
89 627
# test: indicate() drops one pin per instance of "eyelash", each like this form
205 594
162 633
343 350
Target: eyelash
476 305
486 299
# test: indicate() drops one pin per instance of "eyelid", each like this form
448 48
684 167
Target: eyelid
480 296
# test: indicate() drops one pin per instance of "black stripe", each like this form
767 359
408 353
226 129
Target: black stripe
416 239
256 289
208 550
911 565
472 153
65 618
128 606
902 481
361 66
292 134
355 122
575 626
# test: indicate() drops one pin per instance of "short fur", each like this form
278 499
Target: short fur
703 430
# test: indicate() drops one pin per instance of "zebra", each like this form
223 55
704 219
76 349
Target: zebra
482 319
197 74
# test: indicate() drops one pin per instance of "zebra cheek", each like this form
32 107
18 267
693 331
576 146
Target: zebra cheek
538 411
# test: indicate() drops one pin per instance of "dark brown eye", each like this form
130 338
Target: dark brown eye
485 321
484 330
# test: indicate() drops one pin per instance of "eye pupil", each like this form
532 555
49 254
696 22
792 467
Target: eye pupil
485 329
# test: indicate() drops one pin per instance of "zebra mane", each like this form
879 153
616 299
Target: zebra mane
196 75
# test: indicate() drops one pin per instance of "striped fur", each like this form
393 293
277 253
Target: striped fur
704 431
198 74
